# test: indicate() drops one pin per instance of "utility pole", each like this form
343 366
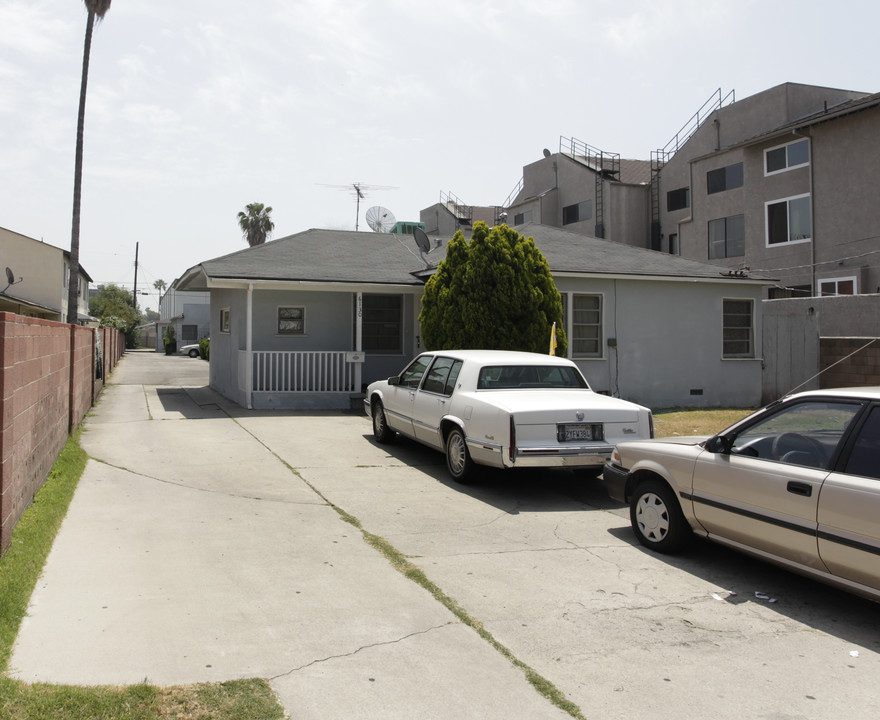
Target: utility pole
134 294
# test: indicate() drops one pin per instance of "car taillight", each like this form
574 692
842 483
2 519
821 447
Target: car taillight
512 449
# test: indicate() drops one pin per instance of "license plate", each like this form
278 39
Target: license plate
572 432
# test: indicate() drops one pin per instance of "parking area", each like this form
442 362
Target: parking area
203 545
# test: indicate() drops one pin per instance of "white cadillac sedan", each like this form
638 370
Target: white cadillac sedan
504 409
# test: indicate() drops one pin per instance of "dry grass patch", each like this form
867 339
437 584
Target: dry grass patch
670 423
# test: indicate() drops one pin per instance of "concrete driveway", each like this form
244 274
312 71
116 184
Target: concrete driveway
203 544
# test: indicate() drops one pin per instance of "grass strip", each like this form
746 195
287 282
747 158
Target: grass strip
404 566
20 569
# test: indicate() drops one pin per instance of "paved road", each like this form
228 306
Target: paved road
202 544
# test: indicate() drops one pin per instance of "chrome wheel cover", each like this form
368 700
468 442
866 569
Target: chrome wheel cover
378 420
652 517
455 454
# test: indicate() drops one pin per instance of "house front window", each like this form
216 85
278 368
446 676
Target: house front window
725 178
727 237
291 321
738 329
382 325
786 157
586 326
789 221
838 286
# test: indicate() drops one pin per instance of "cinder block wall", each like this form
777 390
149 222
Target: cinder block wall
857 365
47 384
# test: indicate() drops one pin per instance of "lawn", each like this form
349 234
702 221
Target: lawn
668 423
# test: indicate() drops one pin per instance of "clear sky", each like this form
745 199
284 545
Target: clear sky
198 107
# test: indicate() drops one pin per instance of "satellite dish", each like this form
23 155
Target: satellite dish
10 276
422 240
546 152
380 219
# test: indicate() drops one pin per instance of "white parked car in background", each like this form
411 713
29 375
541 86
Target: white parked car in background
503 409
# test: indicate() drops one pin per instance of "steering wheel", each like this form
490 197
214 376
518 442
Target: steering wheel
795 442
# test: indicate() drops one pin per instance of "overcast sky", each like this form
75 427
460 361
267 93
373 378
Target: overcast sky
198 107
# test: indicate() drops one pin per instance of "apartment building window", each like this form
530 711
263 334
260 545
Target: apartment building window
224 320
726 178
382 325
727 237
522 218
838 286
788 220
578 212
291 321
586 326
678 199
786 157
738 329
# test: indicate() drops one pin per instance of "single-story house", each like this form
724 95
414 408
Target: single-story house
306 321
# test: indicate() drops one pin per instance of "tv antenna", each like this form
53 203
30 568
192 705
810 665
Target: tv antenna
359 191
380 219
10 280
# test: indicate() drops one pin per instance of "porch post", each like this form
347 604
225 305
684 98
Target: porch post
249 348
359 340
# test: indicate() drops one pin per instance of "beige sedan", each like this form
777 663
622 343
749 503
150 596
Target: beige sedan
797 483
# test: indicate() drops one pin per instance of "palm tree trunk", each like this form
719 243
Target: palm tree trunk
73 279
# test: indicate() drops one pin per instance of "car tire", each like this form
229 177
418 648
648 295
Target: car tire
193 353
381 432
657 519
458 459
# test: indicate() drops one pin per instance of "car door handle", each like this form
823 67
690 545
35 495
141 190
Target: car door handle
799 488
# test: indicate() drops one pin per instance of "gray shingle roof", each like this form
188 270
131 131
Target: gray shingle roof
386 259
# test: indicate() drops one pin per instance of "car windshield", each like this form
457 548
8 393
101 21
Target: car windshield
508 377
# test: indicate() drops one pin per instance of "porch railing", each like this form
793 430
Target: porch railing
305 372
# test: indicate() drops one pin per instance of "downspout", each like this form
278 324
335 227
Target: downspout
249 347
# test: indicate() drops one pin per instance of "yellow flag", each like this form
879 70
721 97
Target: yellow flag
553 340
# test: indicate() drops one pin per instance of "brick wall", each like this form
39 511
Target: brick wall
861 369
48 382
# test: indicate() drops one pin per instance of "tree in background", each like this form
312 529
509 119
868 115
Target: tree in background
96 10
112 305
494 293
160 286
256 224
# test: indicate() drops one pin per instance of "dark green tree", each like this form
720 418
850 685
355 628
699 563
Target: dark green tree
495 292
95 9
112 305
256 224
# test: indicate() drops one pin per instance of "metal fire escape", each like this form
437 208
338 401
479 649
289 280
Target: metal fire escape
660 157
606 166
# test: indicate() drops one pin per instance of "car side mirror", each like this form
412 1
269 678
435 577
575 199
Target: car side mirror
394 380
720 444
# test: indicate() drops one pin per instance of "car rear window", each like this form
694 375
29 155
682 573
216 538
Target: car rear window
509 377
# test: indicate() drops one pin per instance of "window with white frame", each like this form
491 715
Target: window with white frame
786 157
586 326
224 320
738 328
382 325
789 220
291 320
838 286
727 237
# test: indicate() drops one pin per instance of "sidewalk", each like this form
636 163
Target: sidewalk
191 552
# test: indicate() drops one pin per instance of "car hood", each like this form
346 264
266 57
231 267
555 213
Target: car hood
680 440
